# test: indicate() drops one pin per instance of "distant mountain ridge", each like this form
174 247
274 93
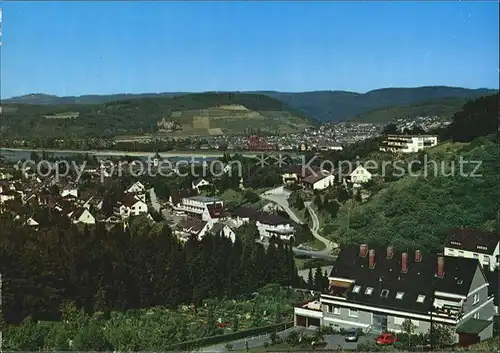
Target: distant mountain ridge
322 105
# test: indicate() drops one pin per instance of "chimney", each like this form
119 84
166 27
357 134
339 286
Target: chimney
371 259
440 267
404 262
363 249
390 252
418 256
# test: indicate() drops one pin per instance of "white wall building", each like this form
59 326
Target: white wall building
474 244
82 215
408 143
359 176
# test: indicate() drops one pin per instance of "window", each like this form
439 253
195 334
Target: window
476 256
369 291
486 259
451 251
336 310
399 295
420 298
476 298
353 313
460 253
356 289
384 293
398 320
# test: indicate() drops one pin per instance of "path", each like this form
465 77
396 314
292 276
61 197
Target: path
280 196
154 200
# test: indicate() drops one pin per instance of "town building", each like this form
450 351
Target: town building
474 244
202 207
378 289
408 143
268 225
358 176
319 181
132 206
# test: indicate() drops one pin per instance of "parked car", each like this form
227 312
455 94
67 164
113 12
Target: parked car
386 338
351 335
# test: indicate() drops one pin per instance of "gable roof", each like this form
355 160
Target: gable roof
191 225
262 217
130 200
420 278
216 210
474 240
178 195
314 178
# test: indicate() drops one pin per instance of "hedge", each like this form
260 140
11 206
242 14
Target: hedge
207 341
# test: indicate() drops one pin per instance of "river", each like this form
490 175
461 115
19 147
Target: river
16 154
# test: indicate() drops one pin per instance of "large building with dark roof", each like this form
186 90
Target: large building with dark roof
378 289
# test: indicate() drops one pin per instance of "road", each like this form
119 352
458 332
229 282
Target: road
253 342
333 341
154 200
280 196
315 229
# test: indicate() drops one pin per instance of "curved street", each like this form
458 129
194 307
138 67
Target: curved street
280 196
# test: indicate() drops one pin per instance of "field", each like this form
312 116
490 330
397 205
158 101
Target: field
233 119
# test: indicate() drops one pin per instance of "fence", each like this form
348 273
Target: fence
254 333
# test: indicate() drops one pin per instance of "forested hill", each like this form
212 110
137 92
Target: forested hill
195 114
418 207
322 105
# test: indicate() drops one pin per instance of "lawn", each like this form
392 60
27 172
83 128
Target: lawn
315 245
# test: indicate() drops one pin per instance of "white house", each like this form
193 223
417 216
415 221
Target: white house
359 176
268 225
206 208
192 227
31 222
69 190
132 206
319 181
7 195
136 188
474 244
200 183
82 215
408 143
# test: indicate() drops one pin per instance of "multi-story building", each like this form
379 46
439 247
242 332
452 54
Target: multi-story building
474 244
268 225
408 143
206 208
377 290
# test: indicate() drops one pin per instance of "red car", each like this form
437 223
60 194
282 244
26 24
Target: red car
386 338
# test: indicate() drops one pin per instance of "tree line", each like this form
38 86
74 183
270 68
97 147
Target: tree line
121 268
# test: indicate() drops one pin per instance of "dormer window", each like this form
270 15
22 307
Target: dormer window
400 295
356 289
384 293
420 298
369 291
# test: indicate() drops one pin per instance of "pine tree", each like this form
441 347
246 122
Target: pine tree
318 280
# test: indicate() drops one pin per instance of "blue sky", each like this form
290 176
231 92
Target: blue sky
67 48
